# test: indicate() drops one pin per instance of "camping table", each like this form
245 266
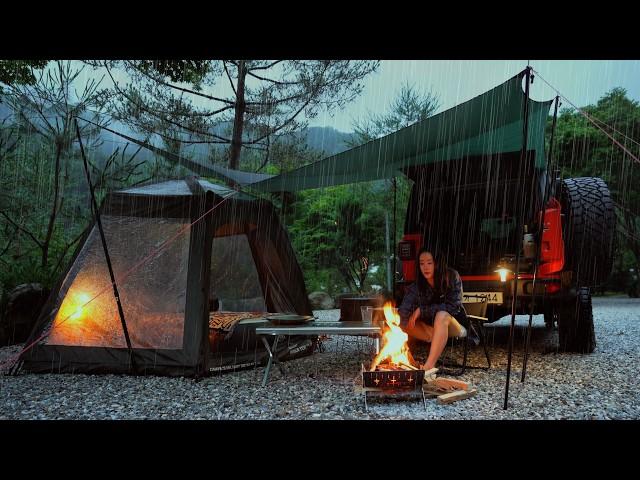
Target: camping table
313 329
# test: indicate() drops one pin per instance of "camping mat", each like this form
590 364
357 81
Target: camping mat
227 320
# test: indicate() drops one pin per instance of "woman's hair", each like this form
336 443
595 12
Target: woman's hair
441 278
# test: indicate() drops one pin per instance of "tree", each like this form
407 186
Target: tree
19 72
339 229
582 149
248 104
47 180
410 106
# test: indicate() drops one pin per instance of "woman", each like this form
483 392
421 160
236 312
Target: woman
431 309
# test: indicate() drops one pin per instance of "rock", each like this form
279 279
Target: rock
321 301
23 305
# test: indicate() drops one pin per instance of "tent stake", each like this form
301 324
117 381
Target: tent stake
106 251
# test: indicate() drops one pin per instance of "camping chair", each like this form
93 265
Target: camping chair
476 314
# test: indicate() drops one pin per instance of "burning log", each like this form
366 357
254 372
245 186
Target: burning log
407 366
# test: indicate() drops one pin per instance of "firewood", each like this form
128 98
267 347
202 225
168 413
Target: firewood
455 396
410 367
432 393
430 375
451 384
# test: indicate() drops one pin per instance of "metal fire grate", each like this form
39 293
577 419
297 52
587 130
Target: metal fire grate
392 383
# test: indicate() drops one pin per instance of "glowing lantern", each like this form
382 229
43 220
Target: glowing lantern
74 307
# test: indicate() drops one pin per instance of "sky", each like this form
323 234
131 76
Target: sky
583 82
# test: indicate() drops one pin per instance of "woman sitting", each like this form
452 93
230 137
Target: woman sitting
431 309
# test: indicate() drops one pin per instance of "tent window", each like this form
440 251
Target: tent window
234 278
153 295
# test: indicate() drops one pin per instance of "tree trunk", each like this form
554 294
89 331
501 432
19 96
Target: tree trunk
238 121
54 210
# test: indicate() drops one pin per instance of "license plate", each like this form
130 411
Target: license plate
492 297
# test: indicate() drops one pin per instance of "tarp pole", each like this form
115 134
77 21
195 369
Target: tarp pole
106 250
393 250
514 295
539 246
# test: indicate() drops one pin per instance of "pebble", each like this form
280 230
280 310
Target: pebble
602 385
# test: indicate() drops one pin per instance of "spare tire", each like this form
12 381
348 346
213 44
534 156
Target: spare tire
588 229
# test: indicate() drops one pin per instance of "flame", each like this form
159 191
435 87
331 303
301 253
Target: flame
394 340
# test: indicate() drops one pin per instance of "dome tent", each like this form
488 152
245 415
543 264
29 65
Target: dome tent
174 246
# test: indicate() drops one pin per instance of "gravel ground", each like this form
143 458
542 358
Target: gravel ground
602 385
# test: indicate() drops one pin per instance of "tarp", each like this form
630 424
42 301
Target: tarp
489 124
197 166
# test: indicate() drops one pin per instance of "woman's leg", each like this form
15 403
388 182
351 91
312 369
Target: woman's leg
420 331
439 340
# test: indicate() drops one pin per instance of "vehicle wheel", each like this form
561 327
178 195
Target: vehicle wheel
575 324
588 229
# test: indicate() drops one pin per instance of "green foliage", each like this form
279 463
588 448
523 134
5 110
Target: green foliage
582 149
15 72
44 199
338 234
186 71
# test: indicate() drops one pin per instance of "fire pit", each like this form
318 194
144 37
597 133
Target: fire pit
393 371
387 382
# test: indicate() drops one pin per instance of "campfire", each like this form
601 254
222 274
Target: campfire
394 354
393 369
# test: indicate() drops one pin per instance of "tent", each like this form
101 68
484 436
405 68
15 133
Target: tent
175 246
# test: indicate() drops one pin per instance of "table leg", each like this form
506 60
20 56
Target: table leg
266 372
275 352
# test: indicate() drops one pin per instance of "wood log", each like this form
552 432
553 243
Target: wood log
455 396
451 384
410 367
431 388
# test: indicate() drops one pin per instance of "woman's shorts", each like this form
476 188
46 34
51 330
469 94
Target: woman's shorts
423 330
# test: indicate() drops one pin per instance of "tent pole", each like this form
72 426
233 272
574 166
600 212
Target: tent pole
539 246
106 250
394 246
514 295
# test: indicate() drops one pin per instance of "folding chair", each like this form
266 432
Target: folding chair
476 314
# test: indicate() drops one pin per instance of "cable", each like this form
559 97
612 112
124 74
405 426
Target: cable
588 117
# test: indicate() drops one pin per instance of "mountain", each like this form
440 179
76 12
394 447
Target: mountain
328 139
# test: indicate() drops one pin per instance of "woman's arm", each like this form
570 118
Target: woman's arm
408 305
